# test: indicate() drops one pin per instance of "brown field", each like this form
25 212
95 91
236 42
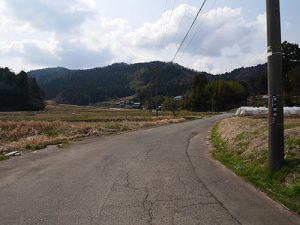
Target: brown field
60 124
249 136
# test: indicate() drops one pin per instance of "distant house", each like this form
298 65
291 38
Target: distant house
121 104
137 105
177 98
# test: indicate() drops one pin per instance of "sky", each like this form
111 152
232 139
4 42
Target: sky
81 34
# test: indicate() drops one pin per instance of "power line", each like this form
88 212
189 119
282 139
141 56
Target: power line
165 9
166 14
189 30
200 25
165 25
169 15
175 36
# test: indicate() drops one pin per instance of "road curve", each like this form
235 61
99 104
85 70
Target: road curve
157 176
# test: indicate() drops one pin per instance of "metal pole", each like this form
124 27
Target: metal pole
275 82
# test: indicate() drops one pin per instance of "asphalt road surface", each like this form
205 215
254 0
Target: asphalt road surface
156 176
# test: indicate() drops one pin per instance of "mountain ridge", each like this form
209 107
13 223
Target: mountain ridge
117 80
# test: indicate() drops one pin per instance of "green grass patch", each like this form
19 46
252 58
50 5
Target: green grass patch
33 147
52 133
3 157
292 146
281 185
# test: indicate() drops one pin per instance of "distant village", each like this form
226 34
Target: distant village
128 104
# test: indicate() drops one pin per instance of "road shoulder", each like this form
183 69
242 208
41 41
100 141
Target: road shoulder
249 206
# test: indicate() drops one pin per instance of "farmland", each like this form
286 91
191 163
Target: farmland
62 124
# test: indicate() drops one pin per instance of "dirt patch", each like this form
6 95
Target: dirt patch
293 132
240 133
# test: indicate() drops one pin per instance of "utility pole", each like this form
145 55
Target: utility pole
275 86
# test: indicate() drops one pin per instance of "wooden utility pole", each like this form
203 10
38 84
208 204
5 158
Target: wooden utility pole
275 82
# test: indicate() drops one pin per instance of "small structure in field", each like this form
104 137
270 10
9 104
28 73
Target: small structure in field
263 111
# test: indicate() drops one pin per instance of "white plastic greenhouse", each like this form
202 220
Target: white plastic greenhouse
249 111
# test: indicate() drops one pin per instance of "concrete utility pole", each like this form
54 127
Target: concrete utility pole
275 82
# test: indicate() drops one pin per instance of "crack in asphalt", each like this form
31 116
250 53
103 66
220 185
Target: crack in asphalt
194 134
148 151
148 207
182 183
106 198
127 179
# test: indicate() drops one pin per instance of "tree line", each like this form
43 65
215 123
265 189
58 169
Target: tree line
216 95
19 92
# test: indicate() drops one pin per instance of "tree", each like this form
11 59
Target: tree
19 92
198 97
73 96
295 80
225 94
170 104
290 60
36 96
220 94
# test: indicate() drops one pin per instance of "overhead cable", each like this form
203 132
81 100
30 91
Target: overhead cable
189 30
200 25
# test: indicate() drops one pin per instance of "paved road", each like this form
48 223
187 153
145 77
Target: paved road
155 176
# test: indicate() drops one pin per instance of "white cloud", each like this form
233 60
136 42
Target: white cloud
204 64
225 40
160 33
60 15
73 34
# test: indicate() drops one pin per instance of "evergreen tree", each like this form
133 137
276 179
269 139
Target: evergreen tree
219 95
290 60
198 95
19 92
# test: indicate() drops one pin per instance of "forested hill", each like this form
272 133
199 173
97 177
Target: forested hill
255 77
85 86
120 80
46 75
114 81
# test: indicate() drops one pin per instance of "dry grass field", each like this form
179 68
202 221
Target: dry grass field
242 145
61 124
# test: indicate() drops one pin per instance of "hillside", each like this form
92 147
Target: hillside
119 80
46 75
85 86
255 77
